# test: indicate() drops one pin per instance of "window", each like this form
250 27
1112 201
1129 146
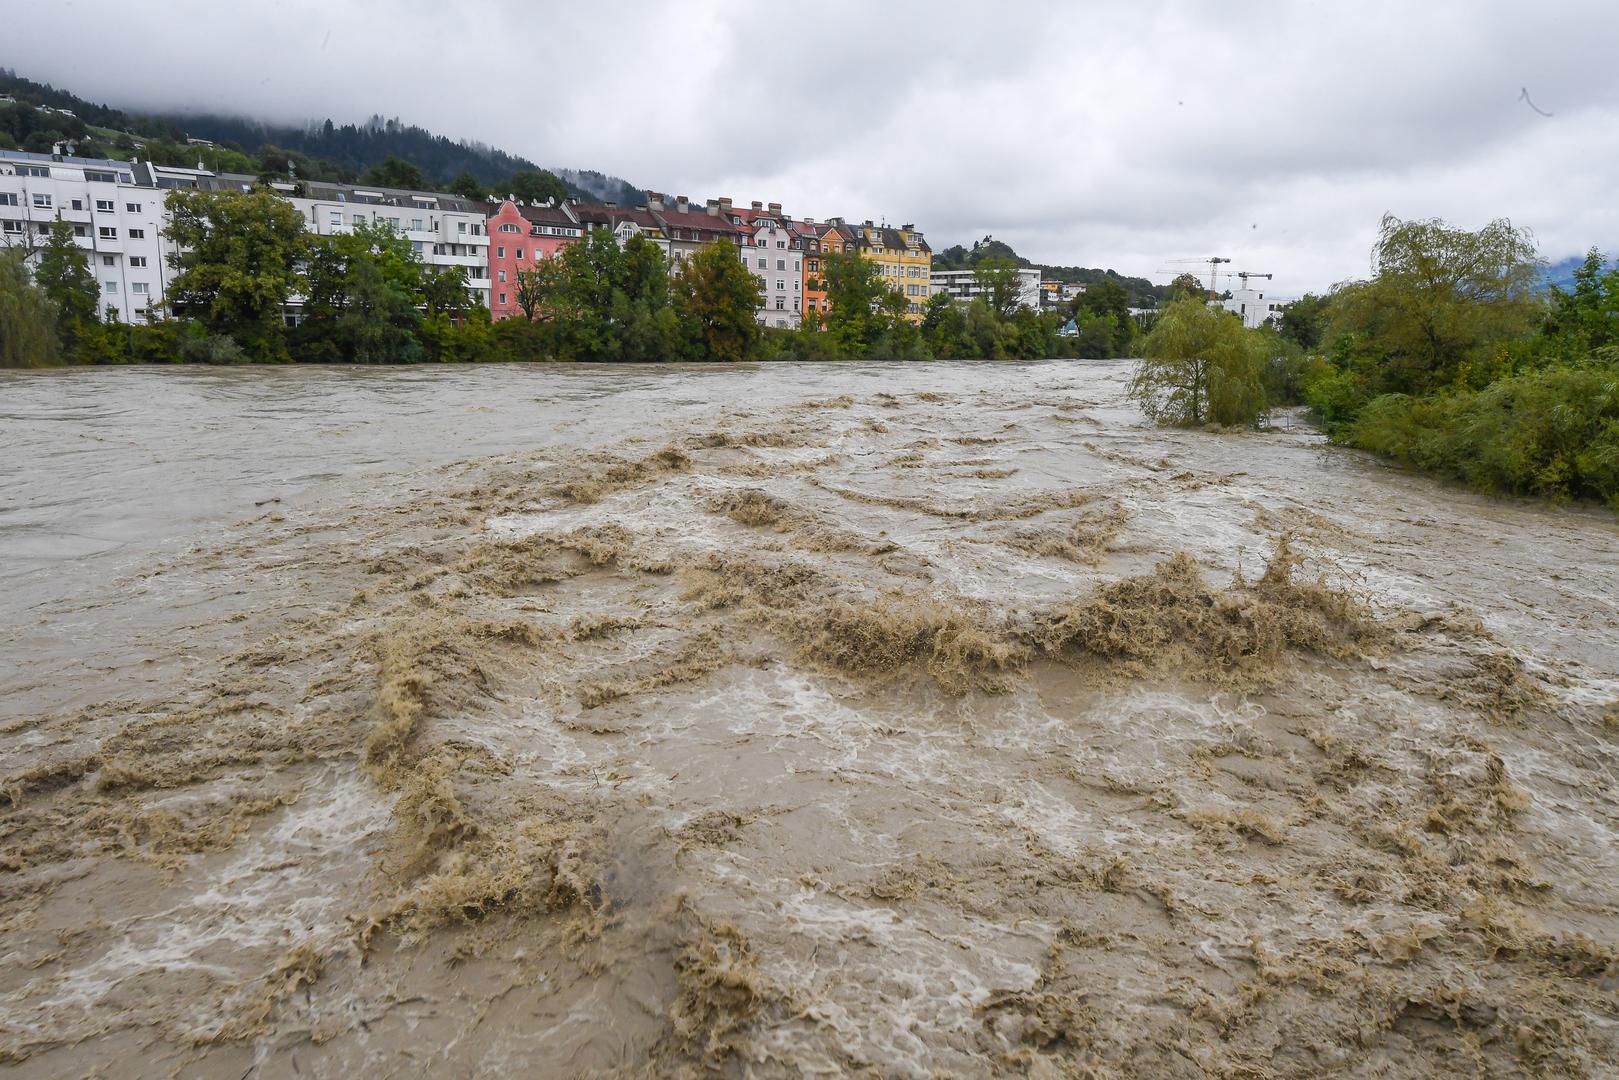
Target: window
139 288
137 260
416 224
11 226
42 200
107 232
762 265
460 226
509 228
781 305
502 298
137 234
108 260
8 198
519 254
33 170
103 206
795 284
335 217
781 264
503 277
110 288
500 253
78 204
780 284
359 219
98 177
781 244
79 230
132 208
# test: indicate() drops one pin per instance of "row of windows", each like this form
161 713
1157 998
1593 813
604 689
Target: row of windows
139 288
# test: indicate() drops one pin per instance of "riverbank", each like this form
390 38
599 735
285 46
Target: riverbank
812 719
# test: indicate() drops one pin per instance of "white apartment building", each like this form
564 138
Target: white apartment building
1250 304
963 287
117 223
444 230
773 257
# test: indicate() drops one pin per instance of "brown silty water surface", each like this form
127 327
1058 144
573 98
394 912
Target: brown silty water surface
874 720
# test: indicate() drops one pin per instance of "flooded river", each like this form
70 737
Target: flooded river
900 721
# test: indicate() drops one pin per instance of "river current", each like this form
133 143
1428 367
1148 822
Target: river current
906 720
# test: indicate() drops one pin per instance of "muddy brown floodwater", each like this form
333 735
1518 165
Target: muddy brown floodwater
842 720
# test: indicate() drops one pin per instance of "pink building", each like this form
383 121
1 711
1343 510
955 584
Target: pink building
520 236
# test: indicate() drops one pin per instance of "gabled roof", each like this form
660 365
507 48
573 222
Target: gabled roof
697 221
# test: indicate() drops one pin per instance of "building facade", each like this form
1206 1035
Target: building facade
905 260
770 256
1252 307
963 286
519 238
116 222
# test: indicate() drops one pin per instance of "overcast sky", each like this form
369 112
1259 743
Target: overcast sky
1128 134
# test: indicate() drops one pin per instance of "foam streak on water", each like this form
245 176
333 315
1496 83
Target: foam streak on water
917 720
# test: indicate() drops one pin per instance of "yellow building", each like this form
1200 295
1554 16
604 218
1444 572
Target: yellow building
905 258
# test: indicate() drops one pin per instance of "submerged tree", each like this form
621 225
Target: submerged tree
1200 366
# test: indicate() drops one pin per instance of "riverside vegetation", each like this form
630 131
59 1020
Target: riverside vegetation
1450 358
368 298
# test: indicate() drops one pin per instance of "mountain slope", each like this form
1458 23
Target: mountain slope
323 150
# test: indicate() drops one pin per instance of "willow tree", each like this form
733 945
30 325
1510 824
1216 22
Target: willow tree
27 316
1200 366
1440 301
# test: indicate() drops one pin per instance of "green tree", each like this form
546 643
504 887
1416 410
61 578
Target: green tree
361 300
1588 316
444 291
1439 303
944 328
396 173
27 316
63 271
999 282
536 186
469 187
864 308
239 257
1200 366
1303 320
1186 284
716 298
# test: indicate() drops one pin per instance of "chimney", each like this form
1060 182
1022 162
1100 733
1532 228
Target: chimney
713 207
682 203
725 204
775 208
610 204
908 228
809 221
757 205
834 221
654 200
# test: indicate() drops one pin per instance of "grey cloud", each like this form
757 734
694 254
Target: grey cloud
1106 134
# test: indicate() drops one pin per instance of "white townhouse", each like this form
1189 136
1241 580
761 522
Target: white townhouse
773 256
117 222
